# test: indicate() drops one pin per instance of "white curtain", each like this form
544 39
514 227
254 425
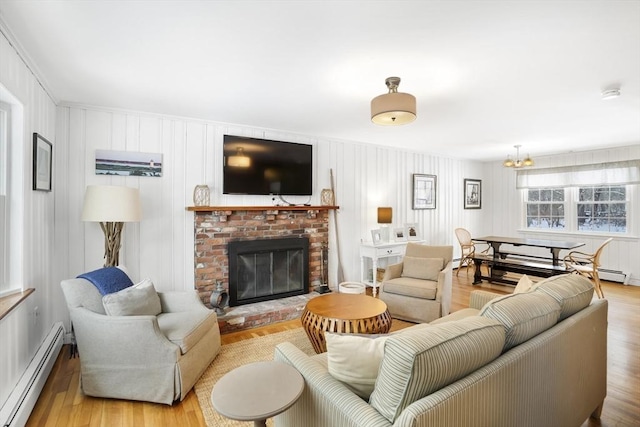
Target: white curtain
615 173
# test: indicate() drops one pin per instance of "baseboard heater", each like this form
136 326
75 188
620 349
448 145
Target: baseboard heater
613 275
24 396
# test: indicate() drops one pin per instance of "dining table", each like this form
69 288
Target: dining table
502 261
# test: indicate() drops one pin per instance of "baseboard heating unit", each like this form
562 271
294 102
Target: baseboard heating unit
24 396
613 275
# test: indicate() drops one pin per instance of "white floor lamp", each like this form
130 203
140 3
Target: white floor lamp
111 206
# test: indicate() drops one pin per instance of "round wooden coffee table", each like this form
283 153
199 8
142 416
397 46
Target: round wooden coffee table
344 313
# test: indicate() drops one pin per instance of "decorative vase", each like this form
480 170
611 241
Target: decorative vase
219 299
326 197
201 195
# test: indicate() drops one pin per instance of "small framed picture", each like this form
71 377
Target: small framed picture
42 163
399 234
376 236
472 193
411 231
424 191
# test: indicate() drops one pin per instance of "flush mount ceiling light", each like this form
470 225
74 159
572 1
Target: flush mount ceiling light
393 108
517 163
239 160
610 94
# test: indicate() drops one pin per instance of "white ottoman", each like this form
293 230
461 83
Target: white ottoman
351 288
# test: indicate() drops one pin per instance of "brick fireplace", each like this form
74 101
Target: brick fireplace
215 227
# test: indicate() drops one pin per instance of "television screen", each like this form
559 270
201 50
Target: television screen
262 166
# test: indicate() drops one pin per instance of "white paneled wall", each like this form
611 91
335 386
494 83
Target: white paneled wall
21 331
161 245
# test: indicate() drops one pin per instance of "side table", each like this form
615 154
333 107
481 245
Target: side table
257 391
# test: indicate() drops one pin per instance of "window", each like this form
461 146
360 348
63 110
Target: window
602 208
545 208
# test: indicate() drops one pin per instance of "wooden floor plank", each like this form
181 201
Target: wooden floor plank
62 396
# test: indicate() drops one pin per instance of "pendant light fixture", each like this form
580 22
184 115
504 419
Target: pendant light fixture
239 160
517 163
393 108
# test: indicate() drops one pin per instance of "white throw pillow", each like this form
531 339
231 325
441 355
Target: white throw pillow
138 300
355 360
422 268
524 285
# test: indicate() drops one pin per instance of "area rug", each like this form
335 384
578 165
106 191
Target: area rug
237 354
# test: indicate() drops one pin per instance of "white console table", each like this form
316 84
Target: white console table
376 252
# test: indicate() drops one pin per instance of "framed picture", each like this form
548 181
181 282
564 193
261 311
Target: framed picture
42 163
411 231
424 191
376 236
399 234
128 163
472 193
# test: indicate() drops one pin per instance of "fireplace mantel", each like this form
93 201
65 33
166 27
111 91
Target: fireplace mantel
259 208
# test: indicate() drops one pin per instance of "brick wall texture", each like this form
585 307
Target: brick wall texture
214 229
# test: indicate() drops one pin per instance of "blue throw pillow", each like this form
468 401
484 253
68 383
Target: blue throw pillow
108 279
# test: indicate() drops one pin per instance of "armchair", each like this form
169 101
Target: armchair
587 265
154 358
418 289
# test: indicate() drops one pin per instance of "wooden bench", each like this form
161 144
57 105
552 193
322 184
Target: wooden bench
516 263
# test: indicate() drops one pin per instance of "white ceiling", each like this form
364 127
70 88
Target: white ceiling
487 74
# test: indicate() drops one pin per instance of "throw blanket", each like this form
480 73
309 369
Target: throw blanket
108 279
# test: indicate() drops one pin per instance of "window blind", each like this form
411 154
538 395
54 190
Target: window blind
613 173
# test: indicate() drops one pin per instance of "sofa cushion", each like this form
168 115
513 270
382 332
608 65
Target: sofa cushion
419 362
355 360
186 328
572 291
138 300
417 288
421 268
523 315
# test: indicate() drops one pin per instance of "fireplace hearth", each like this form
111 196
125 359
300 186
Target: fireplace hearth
266 269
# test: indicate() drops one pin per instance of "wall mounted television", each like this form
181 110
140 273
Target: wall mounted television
266 167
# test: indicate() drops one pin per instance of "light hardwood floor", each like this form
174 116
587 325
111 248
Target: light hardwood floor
63 404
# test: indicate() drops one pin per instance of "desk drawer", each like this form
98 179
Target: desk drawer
392 251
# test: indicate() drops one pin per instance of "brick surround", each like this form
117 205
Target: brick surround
215 228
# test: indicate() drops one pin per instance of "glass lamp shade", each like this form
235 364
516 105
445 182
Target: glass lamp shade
385 215
110 203
392 109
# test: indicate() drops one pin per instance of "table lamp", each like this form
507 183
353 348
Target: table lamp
385 216
111 206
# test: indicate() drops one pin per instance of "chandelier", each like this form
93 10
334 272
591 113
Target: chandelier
393 108
517 163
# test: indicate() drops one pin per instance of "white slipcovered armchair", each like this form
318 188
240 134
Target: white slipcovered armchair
154 358
419 288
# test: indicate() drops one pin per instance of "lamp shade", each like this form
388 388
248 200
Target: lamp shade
385 215
110 203
393 109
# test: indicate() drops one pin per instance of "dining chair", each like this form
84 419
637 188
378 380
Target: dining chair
467 247
587 265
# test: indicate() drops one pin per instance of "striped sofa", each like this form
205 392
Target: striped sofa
529 359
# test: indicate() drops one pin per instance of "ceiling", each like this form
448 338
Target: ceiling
486 74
